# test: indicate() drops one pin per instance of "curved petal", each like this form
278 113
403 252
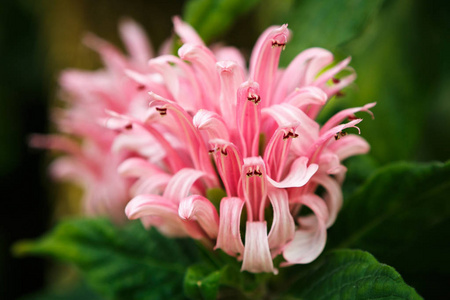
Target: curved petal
186 33
346 113
298 176
248 115
254 187
231 77
199 208
135 41
181 183
153 205
283 226
349 145
203 62
137 167
229 236
151 185
229 165
257 258
302 71
264 66
309 241
332 196
212 123
302 98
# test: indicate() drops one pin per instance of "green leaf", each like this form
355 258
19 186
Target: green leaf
401 215
211 18
120 263
349 274
202 282
327 24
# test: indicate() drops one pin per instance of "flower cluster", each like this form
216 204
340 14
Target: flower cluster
165 131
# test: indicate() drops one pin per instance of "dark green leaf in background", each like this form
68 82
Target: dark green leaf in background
349 274
120 263
402 216
211 18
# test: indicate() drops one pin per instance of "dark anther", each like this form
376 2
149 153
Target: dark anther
249 173
254 98
162 111
336 80
129 126
339 134
141 87
290 134
352 117
212 151
224 152
257 173
340 94
278 44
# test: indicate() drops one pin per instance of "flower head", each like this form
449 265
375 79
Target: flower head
213 124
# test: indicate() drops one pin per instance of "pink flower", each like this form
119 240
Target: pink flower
253 135
212 124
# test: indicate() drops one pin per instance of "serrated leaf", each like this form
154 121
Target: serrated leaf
120 263
211 18
349 274
202 282
327 24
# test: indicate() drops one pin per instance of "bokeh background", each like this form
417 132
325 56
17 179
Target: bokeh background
400 50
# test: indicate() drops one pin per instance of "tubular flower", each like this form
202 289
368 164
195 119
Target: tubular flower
250 132
179 126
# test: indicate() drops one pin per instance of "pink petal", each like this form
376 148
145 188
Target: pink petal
332 196
203 211
229 236
349 145
136 41
302 71
150 185
329 74
203 63
316 148
264 66
309 241
257 258
298 176
230 54
229 165
153 205
346 113
181 183
212 123
231 77
180 81
248 114
186 33
137 167
189 133
304 97
254 187
283 226
277 151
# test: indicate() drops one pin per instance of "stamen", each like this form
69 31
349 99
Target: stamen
340 94
253 98
335 80
290 134
249 172
339 134
275 43
224 151
141 87
257 173
129 126
352 117
162 111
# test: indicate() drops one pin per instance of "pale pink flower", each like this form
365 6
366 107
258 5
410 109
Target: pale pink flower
213 124
92 151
